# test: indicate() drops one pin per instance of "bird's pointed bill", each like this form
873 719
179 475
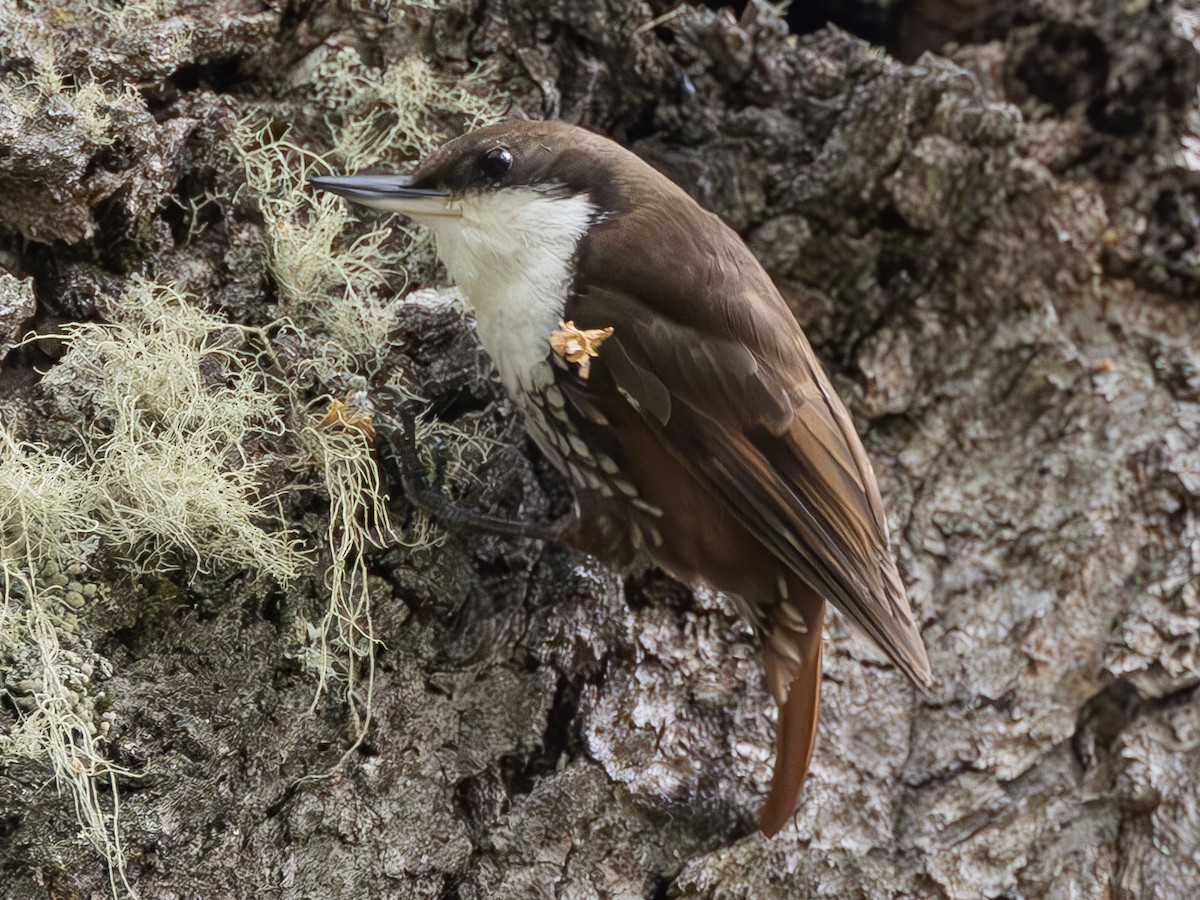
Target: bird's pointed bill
391 193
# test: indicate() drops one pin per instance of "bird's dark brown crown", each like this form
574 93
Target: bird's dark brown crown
552 156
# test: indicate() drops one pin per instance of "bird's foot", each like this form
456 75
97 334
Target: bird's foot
401 459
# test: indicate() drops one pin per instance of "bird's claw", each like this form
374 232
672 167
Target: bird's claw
425 490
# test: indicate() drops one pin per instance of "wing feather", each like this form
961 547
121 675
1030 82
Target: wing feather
758 423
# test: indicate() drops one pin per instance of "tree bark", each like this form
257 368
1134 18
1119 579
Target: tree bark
995 252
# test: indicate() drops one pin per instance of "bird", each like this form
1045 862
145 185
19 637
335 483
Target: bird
658 368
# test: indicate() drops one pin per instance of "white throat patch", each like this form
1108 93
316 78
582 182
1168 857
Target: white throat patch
510 253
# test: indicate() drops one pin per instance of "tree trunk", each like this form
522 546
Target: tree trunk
996 251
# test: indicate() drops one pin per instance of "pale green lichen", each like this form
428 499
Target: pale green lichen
163 477
332 274
341 646
344 284
47 517
176 414
345 287
402 112
43 89
179 422
175 399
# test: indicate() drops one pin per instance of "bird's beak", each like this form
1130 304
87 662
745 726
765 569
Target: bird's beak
392 193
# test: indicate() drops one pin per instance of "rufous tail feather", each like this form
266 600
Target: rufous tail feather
793 661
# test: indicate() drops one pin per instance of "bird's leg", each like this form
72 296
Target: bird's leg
398 452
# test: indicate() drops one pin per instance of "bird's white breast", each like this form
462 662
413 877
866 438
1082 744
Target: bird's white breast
511 253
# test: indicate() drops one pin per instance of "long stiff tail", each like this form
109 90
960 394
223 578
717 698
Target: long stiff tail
792 654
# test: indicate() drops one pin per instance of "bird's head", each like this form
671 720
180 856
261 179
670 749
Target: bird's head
495 172
515 197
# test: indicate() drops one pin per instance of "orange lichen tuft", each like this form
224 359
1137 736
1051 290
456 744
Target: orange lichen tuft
342 416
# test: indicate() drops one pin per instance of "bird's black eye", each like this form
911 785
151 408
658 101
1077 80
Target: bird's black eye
496 162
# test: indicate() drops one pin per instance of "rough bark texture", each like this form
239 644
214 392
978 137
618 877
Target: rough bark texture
995 252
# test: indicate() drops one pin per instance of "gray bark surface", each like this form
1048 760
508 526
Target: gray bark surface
996 254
